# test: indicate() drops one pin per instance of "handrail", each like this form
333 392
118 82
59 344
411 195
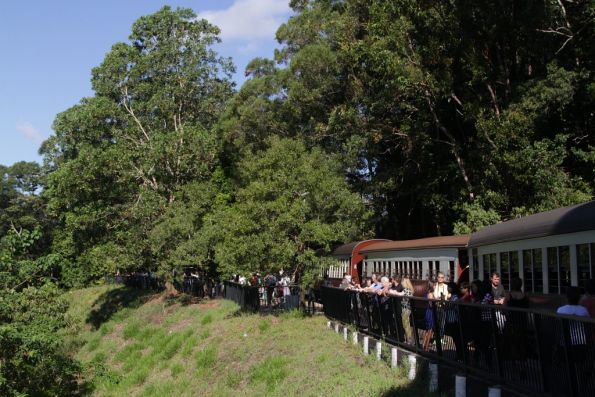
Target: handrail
523 350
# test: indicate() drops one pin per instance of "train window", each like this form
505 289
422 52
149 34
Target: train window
411 269
528 274
430 270
475 264
505 269
515 270
537 270
584 261
489 265
564 267
451 270
552 267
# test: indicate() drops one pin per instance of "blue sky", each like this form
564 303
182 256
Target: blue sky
49 48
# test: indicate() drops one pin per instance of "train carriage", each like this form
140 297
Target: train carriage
549 250
419 259
350 260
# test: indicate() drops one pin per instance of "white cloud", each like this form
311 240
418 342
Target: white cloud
29 131
249 20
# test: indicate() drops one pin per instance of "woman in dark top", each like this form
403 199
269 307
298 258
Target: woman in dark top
517 297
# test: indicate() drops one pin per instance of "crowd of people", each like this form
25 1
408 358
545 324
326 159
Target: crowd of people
487 292
273 289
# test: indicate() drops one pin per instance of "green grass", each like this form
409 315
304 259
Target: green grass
150 346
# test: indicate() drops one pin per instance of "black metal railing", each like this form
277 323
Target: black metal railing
525 351
253 298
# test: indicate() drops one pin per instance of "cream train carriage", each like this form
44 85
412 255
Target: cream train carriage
419 259
549 250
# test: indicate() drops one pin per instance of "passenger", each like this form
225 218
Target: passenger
578 337
517 297
406 310
483 322
346 282
429 319
513 346
498 293
465 294
573 294
588 300
270 281
451 326
441 289
386 318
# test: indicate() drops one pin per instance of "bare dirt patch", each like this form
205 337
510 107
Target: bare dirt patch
185 323
209 304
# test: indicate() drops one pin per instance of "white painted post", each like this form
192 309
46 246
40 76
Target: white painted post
494 391
460 386
433 377
378 351
337 328
393 358
329 324
355 337
366 349
345 333
412 367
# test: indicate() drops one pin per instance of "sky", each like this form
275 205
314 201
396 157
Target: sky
48 49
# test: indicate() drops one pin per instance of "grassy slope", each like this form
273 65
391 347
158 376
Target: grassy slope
141 345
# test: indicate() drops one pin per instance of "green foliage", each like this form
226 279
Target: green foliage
32 360
294 204
121 159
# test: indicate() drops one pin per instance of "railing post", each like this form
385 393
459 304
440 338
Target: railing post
412 367
345 333
494 391
378 351
394 358
433 378
355 337
366 345
460 386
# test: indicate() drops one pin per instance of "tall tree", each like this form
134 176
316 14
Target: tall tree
293 205
117 159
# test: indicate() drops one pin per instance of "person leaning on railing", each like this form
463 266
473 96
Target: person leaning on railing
588 300
407 290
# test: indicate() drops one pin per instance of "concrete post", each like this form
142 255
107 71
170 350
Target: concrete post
494 391
345 333
366 347
460 386
378 351
433 377
393 358
412 367
337 328
329 324
355 337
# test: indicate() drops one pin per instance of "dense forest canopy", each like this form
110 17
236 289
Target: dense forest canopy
398 119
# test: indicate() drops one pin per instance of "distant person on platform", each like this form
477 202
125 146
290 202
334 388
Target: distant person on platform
588 300
498 293
441 288
346 282
573 294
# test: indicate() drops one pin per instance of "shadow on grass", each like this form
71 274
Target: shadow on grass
416 388
115 300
